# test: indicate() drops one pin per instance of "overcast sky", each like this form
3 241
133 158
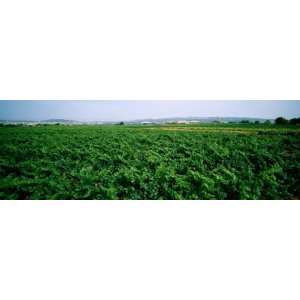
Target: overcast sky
131 110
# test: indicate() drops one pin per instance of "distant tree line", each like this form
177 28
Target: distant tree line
283 121
255 122
278 121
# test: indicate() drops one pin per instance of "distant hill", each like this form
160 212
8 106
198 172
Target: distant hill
199 119
62 121
139 121
43 121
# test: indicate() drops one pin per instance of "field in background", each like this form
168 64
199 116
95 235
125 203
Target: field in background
173 161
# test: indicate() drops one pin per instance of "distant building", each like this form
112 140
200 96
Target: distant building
146 123
183 122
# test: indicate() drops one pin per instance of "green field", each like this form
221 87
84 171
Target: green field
232 161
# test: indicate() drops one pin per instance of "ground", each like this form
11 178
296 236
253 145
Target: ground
206 161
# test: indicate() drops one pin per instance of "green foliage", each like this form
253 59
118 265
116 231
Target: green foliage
218 161
281 121
295 121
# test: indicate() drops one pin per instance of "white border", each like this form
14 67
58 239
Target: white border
158 50
149 250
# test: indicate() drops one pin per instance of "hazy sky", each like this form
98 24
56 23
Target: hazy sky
130 110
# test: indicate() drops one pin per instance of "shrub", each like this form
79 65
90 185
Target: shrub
281 121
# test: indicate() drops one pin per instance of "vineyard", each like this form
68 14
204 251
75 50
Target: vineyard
219 161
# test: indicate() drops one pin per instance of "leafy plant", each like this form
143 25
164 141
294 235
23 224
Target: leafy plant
217 161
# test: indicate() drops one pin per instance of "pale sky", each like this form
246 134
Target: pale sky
86 110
